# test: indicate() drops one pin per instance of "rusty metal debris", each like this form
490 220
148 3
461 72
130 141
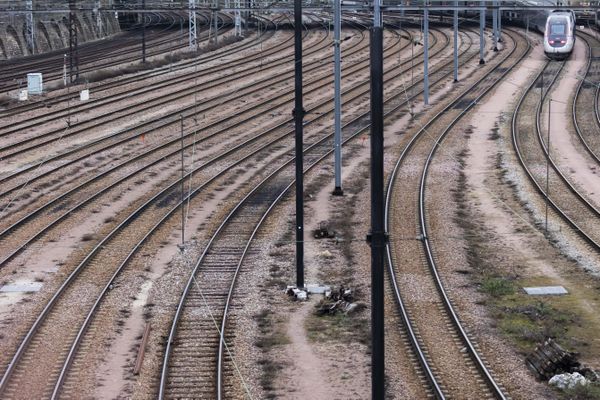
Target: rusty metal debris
140 356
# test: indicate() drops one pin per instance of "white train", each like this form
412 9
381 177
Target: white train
559 34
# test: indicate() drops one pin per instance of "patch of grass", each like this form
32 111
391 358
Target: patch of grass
497 287
530 322
87 237
338 327
271 335
4 100
580 392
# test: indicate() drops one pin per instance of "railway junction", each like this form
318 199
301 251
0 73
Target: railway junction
299 200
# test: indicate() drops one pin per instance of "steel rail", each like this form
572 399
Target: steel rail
120 81
168 98
161 124
190 281
555 167
529 174
48 68
496 391
46 310
578 93
113 49
175 141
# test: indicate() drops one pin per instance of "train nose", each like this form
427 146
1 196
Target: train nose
557 42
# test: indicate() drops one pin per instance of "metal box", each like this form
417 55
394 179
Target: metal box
34 83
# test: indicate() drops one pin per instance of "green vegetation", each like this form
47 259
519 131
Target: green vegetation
271 335
579 392
338 327
497 287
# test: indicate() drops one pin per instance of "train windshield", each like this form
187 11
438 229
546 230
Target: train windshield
558 29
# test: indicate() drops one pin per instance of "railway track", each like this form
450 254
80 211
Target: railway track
207 380
586 95
15 180
531 148
91 267
153 219
211 78
172 144
111 55
165 151
448 356
117 83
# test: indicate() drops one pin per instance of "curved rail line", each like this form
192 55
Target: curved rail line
281 100
575 221
93 64
34 142
354 131
148 126
55 202
588 83
469 99
121 81
49 306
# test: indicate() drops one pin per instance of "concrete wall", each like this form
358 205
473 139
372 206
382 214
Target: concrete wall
51 31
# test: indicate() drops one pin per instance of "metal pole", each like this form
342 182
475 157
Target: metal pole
193 32
65 70
30 26
99 19
548 164
73 43
499 24
456 41
495 24
426 60
481 33
143 31
182 191
412 63
377 235
216 23
337 70
298 117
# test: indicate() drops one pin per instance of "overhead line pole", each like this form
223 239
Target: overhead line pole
377 237
192 34
456 41
73 43
481 33
495 23
30 26
337 27
426 55
298 118
143 31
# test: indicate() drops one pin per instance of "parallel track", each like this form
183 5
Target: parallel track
532 151
440 380
588 88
